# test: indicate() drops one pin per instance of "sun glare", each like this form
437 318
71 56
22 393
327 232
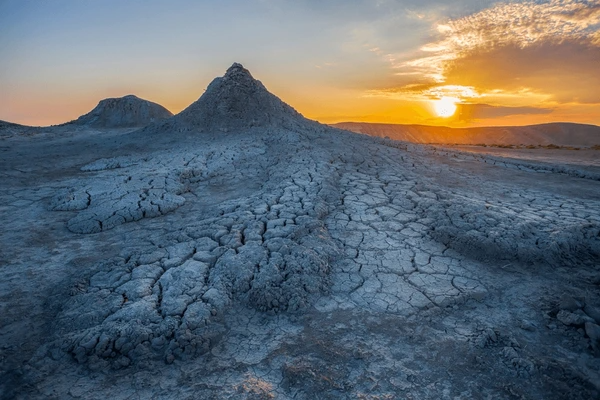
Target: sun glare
445 107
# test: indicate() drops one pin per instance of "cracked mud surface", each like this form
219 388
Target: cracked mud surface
306 263
238 250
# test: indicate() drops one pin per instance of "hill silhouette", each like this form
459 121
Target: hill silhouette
123 112
561 134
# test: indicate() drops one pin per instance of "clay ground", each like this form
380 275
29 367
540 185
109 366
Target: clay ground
315 264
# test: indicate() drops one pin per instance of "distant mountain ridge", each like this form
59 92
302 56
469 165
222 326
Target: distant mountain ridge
560 134
123 112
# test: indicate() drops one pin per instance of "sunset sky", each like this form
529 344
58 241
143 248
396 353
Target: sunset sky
462 63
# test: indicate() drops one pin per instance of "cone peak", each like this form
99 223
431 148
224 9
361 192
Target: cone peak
237 71
237 101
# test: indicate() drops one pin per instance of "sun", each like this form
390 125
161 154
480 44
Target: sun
445 107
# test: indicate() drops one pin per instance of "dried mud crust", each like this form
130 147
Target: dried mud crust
353 232
291 260
268 250
411 245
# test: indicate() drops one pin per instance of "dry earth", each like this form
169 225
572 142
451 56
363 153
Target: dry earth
267 256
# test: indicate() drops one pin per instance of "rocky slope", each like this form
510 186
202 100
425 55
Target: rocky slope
560 134
123 112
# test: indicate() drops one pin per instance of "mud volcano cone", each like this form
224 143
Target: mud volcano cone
237 101
123 112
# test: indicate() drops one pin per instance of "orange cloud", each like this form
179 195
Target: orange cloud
550 51
567 72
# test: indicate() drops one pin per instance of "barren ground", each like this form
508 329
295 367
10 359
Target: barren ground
305 264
